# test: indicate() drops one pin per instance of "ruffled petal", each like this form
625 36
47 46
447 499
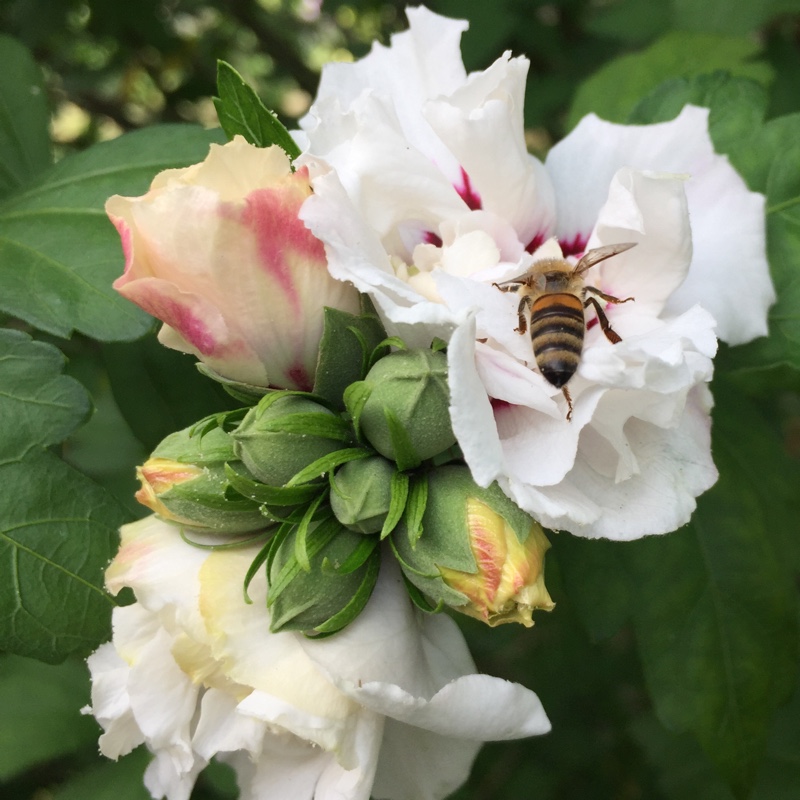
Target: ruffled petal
441 764
729 260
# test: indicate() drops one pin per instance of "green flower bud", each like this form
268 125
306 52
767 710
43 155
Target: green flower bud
361 492
344 567
408 390
280 437
478 552
184 482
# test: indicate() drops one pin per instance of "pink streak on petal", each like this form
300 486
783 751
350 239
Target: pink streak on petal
499 405
429 237
575 246
467 193
484 550
271 214
126 239
535 243
299 376
192 328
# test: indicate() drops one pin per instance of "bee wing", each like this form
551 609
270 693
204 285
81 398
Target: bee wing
600 254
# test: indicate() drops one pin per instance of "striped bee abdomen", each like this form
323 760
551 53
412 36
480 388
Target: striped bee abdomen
557 328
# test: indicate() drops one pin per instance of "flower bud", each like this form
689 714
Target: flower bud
344 566
409 387
361 492
478 552
218 252
184 482
280 437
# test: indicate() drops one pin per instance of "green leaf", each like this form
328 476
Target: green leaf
347 341
57 535
595 582
685 774
721 16
783 250
613 91
122 780
634 21
24 118
41 718
768 157
38 405
240 111
159 390
714 606
59 254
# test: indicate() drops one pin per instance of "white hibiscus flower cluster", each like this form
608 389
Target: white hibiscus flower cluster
415 179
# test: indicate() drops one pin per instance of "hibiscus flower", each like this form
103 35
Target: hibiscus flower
426 197
391 707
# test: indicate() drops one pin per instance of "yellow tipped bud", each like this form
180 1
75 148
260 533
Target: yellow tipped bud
478 552
509 583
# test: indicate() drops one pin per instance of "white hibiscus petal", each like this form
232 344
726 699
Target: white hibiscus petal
727 219
441 764
485 116
470 410
650 210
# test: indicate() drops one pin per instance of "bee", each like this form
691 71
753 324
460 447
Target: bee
554 293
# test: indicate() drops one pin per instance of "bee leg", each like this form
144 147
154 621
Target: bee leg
568 398
524 305
603 319
609 298
507 287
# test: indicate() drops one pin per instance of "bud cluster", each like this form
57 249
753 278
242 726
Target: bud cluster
326 476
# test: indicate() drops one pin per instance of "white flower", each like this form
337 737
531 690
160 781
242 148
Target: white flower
391 706
425 196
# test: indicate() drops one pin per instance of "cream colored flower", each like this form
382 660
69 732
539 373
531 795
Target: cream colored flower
390 707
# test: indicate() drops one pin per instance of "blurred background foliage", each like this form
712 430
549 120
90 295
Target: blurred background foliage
110 67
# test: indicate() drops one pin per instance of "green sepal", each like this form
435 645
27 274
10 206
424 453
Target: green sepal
347 340
237 544
274 395
438 345
272 495
415 508
406 567
256 563
421 600
327 464
322 535
354 561
405 455
355 397
359 600
195 445
226 420
240 111
243 392
300 542
397 502
311 424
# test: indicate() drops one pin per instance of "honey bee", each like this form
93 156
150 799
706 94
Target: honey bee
554 293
